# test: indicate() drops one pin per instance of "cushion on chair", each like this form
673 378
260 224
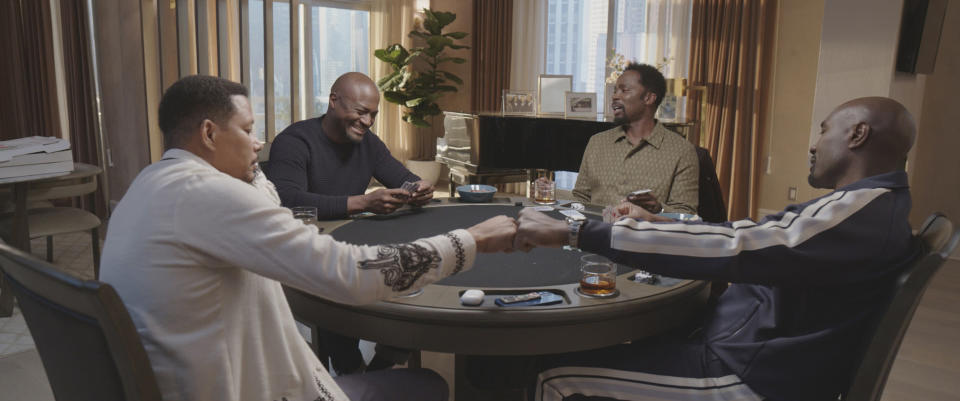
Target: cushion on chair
60 220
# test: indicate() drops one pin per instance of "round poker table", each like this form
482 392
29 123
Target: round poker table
435 320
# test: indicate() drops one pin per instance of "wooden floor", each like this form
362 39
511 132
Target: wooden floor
927 367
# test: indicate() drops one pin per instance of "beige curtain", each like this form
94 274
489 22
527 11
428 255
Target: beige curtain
529 38
665 39
732 42
390 21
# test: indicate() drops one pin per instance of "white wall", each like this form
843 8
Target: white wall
791 103
858 47
935 169
857 52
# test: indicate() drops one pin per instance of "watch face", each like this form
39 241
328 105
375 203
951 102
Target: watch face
573 232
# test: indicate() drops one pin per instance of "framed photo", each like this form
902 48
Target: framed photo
608 102
551 92
519 103
580 105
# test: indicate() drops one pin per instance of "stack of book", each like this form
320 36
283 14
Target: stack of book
34 155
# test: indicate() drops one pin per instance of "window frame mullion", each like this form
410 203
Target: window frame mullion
269 114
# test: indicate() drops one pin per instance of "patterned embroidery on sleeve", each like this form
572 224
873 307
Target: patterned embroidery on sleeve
324 393
402 264
458 248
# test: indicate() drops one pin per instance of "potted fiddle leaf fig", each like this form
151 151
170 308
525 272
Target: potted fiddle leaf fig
417 80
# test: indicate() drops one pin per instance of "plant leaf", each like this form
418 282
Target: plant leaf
446 88
382 55
430 23
394 97
456 35
439 41
444 18
390 81
453 46
416 120
452 77
415 102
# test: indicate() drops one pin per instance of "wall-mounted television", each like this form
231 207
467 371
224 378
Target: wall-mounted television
920 30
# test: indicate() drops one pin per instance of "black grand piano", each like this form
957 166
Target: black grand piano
490 148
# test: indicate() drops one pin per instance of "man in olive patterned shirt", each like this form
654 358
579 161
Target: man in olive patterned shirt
640 153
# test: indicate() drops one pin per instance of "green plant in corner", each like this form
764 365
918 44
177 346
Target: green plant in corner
417 91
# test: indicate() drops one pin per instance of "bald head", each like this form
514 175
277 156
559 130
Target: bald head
354 103
891 126
354 85
859 139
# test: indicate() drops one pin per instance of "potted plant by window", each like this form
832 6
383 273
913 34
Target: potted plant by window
418 80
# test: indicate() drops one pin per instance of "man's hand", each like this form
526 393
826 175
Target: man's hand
628 209
381 201
646 201
537 229
495 234
423 194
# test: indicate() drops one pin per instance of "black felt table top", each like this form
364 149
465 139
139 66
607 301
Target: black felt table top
540 267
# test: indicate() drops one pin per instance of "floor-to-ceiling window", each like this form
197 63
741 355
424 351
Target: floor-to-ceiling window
323 39
340 44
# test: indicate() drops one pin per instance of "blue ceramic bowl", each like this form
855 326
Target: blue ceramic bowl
476 193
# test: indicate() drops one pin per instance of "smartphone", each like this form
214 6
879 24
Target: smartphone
512 299
545 298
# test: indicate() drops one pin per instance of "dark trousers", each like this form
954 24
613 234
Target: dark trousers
663 369
346 358
394 385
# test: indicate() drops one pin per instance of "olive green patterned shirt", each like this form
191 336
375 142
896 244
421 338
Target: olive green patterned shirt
664 163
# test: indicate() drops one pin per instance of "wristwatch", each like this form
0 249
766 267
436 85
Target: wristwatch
573 233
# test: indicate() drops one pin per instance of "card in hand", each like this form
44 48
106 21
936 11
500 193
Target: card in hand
410 187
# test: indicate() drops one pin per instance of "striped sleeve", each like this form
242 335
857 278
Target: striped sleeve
837 235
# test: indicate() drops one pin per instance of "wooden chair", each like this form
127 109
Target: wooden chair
87 342
46 220
940 239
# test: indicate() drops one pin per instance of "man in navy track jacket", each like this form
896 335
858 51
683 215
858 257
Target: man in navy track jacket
808 282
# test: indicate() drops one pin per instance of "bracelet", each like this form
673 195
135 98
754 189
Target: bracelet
573 233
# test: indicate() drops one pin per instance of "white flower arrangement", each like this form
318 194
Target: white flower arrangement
617 62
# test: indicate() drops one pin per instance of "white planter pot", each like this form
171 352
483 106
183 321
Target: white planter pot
426 169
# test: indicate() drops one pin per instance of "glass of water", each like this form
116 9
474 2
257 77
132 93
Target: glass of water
306 214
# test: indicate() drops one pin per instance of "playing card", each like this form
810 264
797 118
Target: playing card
573 214
410 187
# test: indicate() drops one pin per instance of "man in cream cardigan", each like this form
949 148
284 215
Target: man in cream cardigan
198 255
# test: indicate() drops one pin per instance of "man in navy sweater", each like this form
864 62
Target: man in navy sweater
327 162
808 282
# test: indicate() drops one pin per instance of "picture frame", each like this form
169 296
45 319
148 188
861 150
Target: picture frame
551 90
580 105
608 102
518 103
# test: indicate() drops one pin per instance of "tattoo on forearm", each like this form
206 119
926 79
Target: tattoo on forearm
458 248
402 264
